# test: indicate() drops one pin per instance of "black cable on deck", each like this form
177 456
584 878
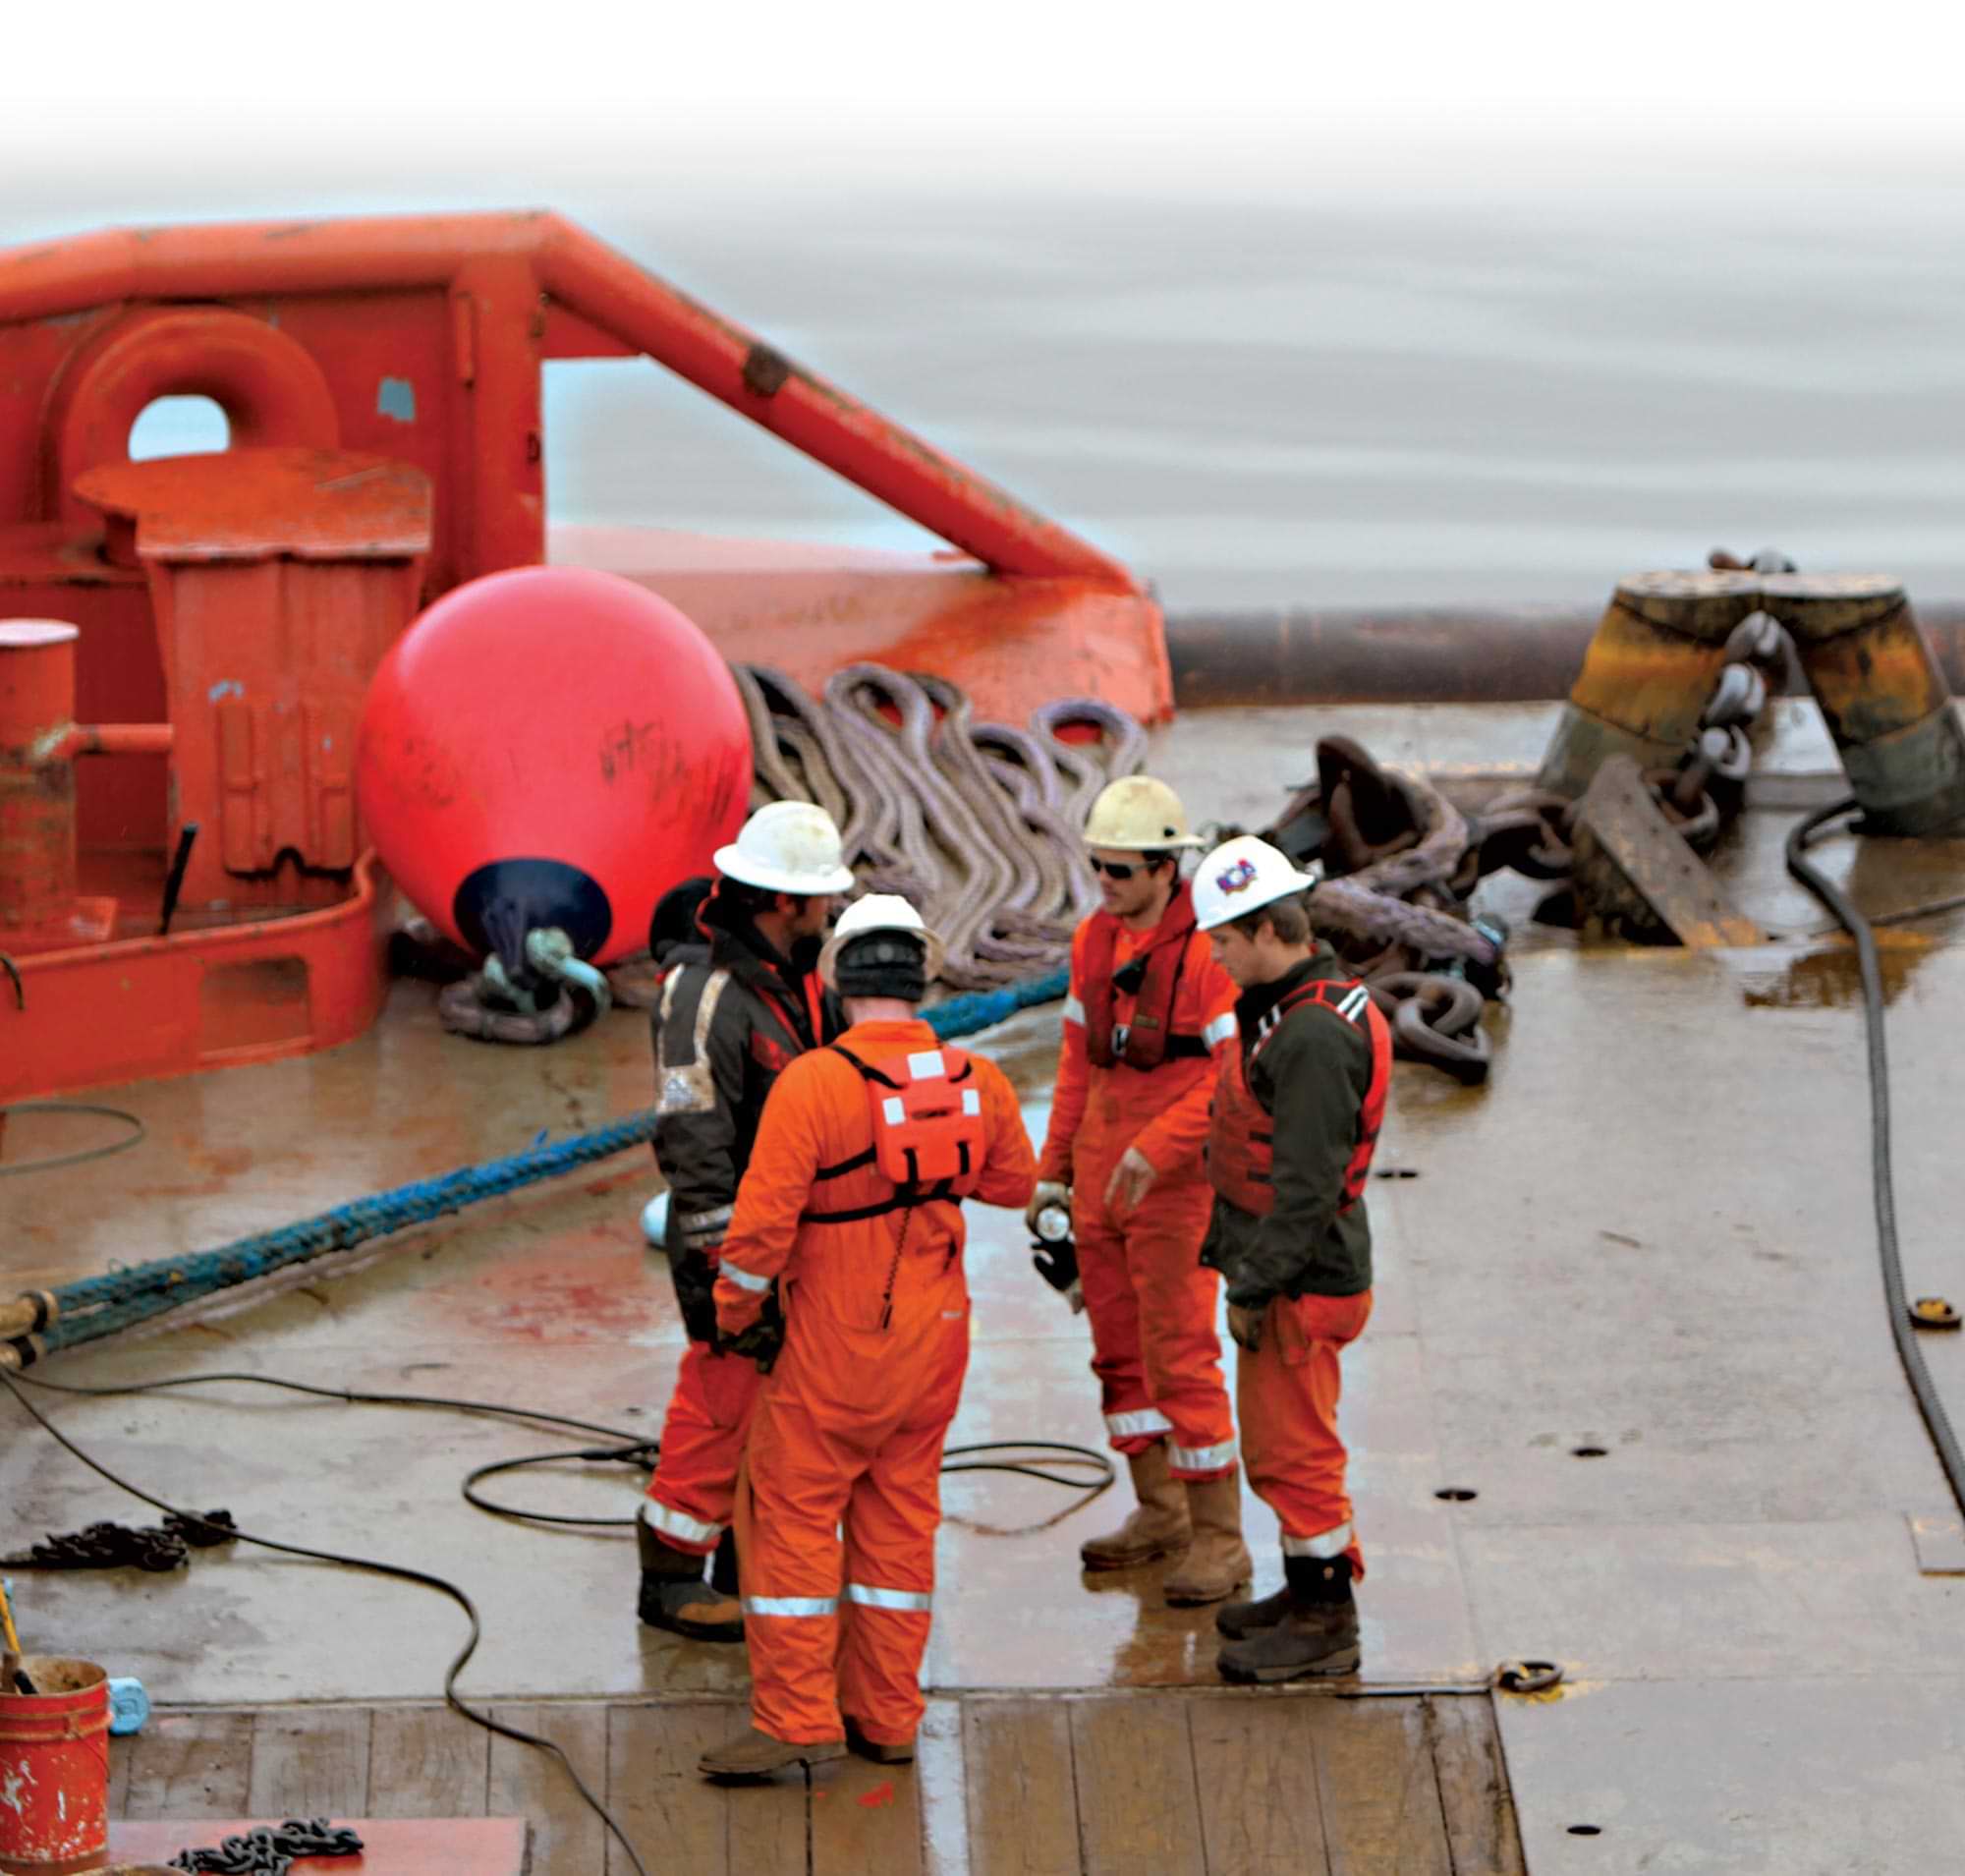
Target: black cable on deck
1908 1352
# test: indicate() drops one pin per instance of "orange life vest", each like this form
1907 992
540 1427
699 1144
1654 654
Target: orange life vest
929 1136
1240 1142
1148 1039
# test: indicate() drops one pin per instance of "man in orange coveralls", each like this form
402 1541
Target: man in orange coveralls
852 1205
1148 1020
734 1012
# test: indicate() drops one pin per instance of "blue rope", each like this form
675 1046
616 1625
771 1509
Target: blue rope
99 1306
965 1016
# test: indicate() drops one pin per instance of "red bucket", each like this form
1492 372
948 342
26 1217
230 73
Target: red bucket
54 1769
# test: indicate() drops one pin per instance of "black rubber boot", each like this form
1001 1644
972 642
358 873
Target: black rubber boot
675 1597
723 1566
1316 1634
1235 1620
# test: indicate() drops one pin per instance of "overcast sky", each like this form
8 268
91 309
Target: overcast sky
232 103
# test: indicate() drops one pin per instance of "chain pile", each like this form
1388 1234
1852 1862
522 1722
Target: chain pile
151 1547
977 823
1392 848
271 1851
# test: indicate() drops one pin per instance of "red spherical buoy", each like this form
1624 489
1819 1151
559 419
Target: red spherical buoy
550 746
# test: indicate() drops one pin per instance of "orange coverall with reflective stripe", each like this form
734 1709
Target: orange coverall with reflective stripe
848 1430
1152 1306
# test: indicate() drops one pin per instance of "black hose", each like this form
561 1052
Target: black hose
54 1159
403 1572
629 1451
1908 1352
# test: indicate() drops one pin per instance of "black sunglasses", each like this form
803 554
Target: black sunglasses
1117 869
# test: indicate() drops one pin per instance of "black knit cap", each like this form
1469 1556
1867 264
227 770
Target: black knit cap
883 964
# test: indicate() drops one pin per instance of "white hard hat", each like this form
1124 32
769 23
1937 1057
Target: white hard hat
1139 814
791 846
1242 876
879 912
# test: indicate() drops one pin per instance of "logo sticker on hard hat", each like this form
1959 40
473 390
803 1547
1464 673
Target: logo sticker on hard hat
1238 878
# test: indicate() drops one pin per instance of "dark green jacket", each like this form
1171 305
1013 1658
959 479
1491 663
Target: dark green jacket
1311 1077
733 1016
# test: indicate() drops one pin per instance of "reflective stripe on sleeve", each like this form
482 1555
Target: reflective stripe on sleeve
1219 1031
874 1597
743 1279
1074 1011
1127 1426
715 1218
1326 1543
1201 1458
791 1605
678 1524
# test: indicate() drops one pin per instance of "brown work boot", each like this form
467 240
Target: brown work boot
1157 1528
674 1596
755 1754
1217 1563
881 1751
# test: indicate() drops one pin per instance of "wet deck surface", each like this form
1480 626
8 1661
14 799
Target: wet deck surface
1110 1784
1649 1236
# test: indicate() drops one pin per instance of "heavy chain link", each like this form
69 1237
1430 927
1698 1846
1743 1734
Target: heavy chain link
271 1851
157 1548
1530 831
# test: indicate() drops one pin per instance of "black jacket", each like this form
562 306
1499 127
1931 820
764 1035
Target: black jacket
1312 1077
733 1014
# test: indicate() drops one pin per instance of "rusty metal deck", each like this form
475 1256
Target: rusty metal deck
1648 1237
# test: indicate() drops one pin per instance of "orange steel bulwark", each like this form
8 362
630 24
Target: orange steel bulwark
381 383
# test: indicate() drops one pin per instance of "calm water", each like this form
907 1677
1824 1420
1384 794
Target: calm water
1326 401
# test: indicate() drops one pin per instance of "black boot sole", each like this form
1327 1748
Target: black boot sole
1330 1667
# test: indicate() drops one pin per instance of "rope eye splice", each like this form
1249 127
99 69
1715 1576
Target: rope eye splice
554 994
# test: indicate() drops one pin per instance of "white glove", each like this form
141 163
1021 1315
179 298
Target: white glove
1050 1192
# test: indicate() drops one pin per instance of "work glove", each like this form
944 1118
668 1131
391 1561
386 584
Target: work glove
1245 1325
764 1339
1050 1192
1056 1260
1131 1181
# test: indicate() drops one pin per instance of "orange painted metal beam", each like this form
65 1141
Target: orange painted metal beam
494 260
108 739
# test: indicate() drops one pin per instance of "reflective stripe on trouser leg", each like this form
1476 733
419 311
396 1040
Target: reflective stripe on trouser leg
1323 1546
787 1534
1132 1421
890 1526
1179 1300
695 1486
1287 1394
1200 1462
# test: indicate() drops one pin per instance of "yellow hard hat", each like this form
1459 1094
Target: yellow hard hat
1139 814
